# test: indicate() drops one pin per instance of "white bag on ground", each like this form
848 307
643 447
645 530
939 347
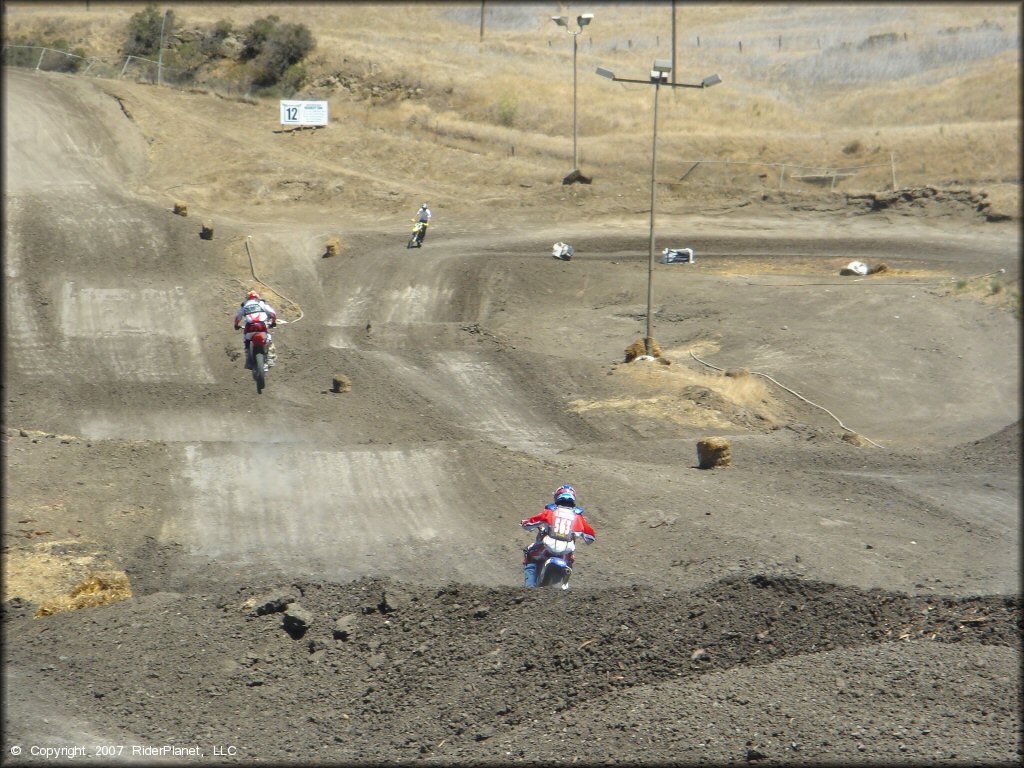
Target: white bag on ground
562 251
677 256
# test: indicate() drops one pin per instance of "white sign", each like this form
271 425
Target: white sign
303 112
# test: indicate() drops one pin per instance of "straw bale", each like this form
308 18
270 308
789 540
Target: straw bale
341 383
181 209
206 231
97 589
333 247
714 452
639 348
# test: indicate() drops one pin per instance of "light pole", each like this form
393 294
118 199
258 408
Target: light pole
658 77
581 21
160 58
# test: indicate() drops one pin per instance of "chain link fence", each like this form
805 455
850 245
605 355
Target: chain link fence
130 67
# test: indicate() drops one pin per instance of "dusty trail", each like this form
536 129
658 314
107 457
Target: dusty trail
484 373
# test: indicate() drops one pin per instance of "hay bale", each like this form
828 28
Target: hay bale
206 230
737 373
97 589
854 439
341 383
714 452
181 209
635 350
639 348
333 247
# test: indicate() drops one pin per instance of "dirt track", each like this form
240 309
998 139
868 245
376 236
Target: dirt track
853 602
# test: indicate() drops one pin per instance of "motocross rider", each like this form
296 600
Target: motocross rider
557 526
423 215
258 316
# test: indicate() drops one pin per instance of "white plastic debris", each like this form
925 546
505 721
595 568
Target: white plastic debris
677 256
856 268
562 251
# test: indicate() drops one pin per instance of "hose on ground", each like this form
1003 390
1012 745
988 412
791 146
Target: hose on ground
252 268
792 392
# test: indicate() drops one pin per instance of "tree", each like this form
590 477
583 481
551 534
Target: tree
144 31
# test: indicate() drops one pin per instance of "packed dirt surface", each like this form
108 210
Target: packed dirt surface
320 577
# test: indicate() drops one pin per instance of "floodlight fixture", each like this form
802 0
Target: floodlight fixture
659 73
563 21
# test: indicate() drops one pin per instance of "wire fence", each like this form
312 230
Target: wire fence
130 66
797 175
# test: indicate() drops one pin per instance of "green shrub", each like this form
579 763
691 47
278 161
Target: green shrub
256 35
51 61
211 42
187 58
506 109
144 31
293 79
283 47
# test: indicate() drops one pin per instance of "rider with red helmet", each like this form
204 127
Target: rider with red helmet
558 526
256 316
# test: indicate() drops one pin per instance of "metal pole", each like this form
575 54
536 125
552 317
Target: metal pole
40 62
892 165
673 43
160 58
482 20
575 156
650 262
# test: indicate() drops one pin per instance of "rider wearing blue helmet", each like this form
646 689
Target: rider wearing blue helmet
535 554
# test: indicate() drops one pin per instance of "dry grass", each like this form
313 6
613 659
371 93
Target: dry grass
97 589
53 576
657 392
946 102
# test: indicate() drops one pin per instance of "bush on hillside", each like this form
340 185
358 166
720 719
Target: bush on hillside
275 48
256 35
213 40
144 31
25 52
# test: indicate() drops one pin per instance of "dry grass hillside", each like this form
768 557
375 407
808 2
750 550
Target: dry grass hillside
938 86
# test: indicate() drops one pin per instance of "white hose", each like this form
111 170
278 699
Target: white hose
252 268
826 410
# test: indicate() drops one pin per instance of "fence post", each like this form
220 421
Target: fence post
40 62
782 175
892 164
126 62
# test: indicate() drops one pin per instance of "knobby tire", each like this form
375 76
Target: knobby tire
259 360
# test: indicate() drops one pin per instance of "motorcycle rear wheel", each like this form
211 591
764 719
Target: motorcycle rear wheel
259 361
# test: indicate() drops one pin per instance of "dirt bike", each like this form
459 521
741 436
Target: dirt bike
259 358
554 570
418 233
